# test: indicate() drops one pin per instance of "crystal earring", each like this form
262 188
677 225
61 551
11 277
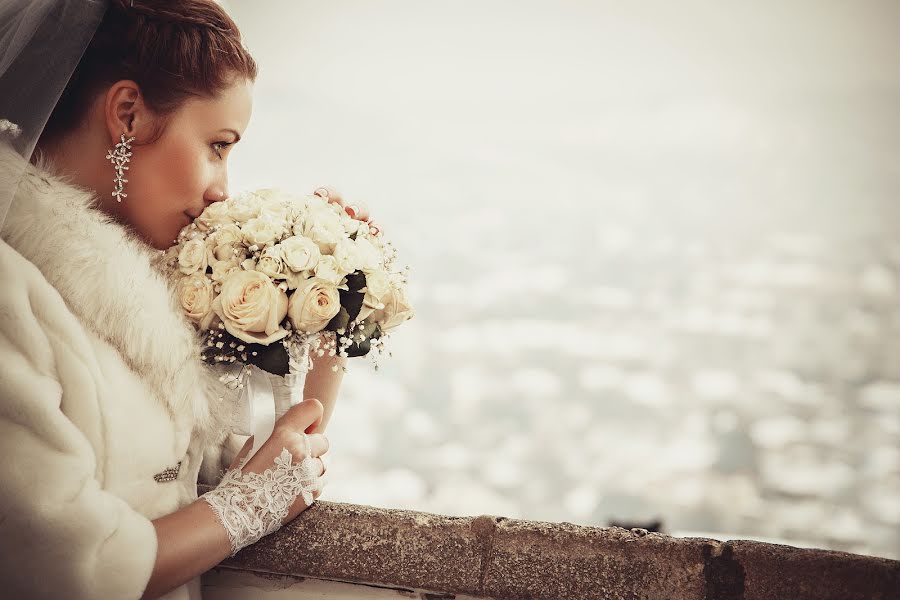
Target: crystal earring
119 157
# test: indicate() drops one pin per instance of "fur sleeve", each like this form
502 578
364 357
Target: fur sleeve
61 534
217 457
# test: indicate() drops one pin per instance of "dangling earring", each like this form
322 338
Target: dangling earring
119 157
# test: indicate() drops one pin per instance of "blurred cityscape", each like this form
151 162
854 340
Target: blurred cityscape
655 255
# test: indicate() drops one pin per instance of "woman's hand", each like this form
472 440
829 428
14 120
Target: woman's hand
357 210
290 432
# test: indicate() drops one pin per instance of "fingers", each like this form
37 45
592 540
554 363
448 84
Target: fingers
303 445
318 444
331 194
304 416
357 210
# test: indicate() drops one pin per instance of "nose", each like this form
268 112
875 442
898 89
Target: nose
216 185
216 196
216 192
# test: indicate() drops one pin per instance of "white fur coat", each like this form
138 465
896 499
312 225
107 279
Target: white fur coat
102 390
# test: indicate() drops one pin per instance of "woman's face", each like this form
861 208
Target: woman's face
172 179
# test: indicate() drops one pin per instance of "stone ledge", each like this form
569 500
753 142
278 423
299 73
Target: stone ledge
495 557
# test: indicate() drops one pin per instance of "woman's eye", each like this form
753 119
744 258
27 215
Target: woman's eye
219 146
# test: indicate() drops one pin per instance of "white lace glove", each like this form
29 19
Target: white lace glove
252 505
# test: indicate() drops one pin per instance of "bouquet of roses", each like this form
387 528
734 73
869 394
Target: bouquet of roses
270 277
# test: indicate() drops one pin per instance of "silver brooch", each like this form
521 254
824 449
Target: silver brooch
170 474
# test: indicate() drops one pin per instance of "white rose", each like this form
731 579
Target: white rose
195 292
397 309
283 204
295 280
300 253
271 262
221 269
214 214
277 211
299 225
346 256
270 195
192 257
313 305
323 226
369 256
378 284
223 243
316 202
242 208
252 308
327 269
261 232
350 224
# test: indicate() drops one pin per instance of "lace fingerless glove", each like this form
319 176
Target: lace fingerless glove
252 505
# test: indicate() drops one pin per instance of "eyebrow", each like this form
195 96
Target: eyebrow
237 136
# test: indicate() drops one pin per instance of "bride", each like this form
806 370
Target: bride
108 417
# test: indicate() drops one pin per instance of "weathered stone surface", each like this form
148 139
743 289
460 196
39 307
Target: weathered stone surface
508 559
559 560
359 543
776 571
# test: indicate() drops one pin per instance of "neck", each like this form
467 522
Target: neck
81 157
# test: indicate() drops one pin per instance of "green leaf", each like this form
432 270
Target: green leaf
272 358
352 299
371 331
340 320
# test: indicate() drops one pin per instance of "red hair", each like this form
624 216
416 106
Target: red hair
173 49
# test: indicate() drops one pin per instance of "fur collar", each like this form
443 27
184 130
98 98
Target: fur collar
106 276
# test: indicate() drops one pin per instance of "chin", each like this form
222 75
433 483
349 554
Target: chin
162 240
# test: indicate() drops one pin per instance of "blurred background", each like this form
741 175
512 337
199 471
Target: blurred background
655 253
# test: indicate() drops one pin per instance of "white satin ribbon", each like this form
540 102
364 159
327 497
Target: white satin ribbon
262 409
260 404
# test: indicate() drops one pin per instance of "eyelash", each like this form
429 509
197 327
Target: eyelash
223 145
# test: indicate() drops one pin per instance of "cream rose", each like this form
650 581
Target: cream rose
222 269
276 211
396 310
252 308
271 263
327 269
313 305
346 256
242 208
192 257
324 227
261 232
271 195
300 253
195 292
216 213
378 285
350 224
226 243
369 256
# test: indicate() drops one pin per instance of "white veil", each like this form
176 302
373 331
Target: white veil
41 42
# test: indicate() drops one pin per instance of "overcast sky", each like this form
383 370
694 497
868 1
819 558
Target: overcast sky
402 102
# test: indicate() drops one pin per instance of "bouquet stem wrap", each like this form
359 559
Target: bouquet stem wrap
262 397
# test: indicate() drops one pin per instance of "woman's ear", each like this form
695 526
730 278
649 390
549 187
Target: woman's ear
125 111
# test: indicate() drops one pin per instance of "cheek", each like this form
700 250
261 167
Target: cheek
164 180
180 170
